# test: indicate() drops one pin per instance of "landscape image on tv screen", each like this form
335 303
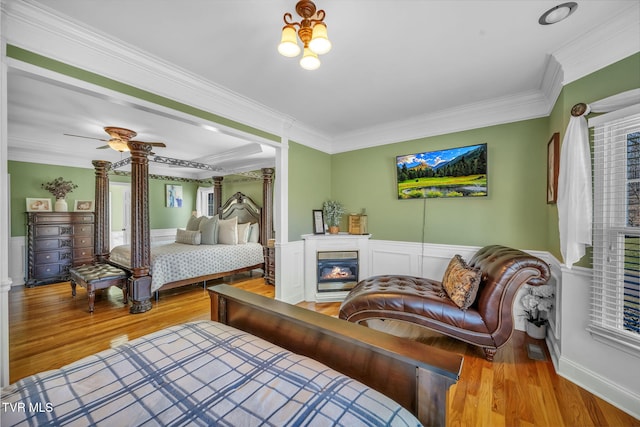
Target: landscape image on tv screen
454 172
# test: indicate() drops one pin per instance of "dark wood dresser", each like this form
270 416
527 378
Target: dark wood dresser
56 241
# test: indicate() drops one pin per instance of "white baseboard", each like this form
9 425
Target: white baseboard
600 386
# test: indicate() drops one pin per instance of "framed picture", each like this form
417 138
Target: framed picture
38 205
174 196
553 167
318 221
83 206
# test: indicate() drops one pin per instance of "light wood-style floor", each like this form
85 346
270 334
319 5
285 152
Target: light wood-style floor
49 328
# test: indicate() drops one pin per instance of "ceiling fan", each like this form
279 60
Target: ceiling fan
119 139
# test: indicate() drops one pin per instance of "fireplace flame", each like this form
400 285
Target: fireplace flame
337 273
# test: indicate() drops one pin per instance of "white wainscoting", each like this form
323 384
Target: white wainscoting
17 260
603 370
290 272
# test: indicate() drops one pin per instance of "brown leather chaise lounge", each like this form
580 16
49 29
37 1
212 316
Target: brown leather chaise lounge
487 322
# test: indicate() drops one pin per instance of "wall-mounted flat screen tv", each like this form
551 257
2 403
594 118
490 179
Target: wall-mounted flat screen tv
454 172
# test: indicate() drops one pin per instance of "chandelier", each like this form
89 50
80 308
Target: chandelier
312 32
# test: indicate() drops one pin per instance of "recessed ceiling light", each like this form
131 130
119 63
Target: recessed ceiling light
558 13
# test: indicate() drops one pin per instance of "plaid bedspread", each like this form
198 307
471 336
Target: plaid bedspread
198 374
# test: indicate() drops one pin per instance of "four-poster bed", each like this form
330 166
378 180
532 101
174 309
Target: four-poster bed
137 258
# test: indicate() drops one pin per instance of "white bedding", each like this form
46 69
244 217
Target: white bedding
171 262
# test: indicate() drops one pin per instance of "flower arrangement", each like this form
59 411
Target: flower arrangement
59 187
539 299
333 211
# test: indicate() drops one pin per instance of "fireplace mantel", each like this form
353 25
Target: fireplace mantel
314 243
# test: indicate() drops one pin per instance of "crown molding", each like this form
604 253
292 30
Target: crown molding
34 27
601 46
38 29
522 106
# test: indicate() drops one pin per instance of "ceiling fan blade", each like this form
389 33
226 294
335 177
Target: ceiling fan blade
153 144
102 147
86 137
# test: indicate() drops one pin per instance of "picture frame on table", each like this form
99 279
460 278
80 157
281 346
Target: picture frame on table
38 205
83 206
318 221
553 168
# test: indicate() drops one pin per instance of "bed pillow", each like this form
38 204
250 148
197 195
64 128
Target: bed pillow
461 282
228 231
243 232
188 237
194 223
209 229
254 233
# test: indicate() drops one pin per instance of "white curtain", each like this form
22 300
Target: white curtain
574 180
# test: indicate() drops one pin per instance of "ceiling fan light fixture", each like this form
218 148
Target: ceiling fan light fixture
557 13
118 145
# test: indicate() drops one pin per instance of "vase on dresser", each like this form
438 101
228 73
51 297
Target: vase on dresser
61 205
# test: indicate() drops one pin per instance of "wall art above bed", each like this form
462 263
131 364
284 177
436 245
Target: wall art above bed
453 172
174 195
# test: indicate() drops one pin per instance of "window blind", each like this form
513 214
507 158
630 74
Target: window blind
615 296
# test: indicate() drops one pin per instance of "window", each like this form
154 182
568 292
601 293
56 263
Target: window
204 201
615 311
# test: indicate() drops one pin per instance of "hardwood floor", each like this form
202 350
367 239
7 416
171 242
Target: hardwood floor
49 328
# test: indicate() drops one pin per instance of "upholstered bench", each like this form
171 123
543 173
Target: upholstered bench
483 316
98 276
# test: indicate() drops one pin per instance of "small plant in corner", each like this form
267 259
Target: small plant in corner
333 212
538 300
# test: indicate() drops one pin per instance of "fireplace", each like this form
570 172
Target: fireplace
337 270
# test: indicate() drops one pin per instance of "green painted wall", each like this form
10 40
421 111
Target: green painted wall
26 179
513 213
250 187
309 186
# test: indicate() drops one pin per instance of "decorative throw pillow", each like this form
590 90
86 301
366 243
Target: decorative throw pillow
461 282
209 229
194 223
254 234
188 237
243 233
228 231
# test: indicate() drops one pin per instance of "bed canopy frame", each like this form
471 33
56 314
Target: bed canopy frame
139 285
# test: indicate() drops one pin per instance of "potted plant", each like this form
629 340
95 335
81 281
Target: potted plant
537 303
333 212
60 188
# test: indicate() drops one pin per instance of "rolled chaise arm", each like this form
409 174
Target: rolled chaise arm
504 271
